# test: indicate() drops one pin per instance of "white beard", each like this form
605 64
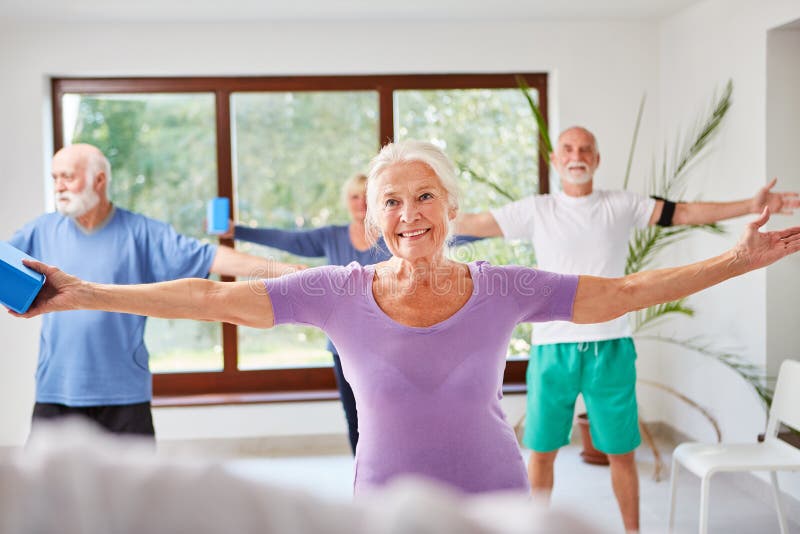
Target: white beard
583 178
77 204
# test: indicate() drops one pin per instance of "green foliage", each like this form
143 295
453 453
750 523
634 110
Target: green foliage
693 145
648 242
484 131
475 177
162 154
292 153
654 314
545 144
294 150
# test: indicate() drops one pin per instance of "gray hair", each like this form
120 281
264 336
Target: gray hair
408 151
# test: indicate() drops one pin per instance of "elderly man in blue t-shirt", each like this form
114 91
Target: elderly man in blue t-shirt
92 363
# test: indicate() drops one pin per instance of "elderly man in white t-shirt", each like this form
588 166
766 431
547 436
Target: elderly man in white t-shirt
581 230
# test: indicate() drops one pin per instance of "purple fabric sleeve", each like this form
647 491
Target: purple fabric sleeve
309 296
542 295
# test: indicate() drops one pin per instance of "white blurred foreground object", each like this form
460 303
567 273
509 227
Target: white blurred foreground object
74 479
773 454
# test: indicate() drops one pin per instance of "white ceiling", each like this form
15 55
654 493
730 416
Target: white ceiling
325 10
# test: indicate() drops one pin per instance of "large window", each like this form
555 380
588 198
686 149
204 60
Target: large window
162 150
281 148
292 151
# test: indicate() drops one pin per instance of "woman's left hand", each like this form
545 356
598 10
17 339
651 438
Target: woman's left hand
757 249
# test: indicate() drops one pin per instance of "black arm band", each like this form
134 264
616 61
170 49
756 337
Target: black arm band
666 212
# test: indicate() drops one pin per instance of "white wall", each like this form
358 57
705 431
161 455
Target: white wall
700 47
783 160
599 71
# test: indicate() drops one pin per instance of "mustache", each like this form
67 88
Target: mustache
577 165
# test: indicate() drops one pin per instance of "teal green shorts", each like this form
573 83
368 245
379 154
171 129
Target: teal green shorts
604 372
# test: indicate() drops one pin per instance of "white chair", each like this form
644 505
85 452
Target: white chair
773 454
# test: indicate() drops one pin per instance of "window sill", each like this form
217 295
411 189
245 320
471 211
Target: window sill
219 399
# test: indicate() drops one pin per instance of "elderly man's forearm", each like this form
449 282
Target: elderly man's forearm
710 212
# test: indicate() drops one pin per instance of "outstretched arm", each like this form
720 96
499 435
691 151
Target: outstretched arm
242 303
602 299
711 212
308 243
478 225
230 262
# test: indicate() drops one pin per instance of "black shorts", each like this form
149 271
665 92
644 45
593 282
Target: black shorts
120 419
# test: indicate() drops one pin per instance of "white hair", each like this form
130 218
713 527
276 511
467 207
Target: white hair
408 151
96 163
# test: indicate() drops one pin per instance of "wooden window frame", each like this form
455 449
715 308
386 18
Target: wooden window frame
232 385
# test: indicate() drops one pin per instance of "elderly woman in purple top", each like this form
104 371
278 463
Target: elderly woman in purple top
422 338
339 245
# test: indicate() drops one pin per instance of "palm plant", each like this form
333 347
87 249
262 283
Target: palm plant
670 182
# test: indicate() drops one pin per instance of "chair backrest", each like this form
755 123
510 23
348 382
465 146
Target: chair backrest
786 402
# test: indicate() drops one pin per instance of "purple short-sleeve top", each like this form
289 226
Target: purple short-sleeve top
428 398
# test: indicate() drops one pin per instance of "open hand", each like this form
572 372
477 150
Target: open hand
757 249
784 203
60 291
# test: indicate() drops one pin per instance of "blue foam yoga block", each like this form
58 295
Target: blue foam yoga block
217 215
19 285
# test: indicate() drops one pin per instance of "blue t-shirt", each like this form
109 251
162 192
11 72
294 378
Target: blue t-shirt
93 358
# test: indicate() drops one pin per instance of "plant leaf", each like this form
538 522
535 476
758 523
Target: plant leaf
480 178
633 141
753 374
545 145
651 316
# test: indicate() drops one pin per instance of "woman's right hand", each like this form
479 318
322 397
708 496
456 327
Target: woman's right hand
60 292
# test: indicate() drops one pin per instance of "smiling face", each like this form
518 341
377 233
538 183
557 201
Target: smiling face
576 157
412 211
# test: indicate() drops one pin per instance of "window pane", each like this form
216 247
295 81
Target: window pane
292 152
491 136
162 149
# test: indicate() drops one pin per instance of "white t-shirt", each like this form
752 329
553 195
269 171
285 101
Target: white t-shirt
578 235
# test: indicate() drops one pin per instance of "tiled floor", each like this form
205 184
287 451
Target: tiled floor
578 486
